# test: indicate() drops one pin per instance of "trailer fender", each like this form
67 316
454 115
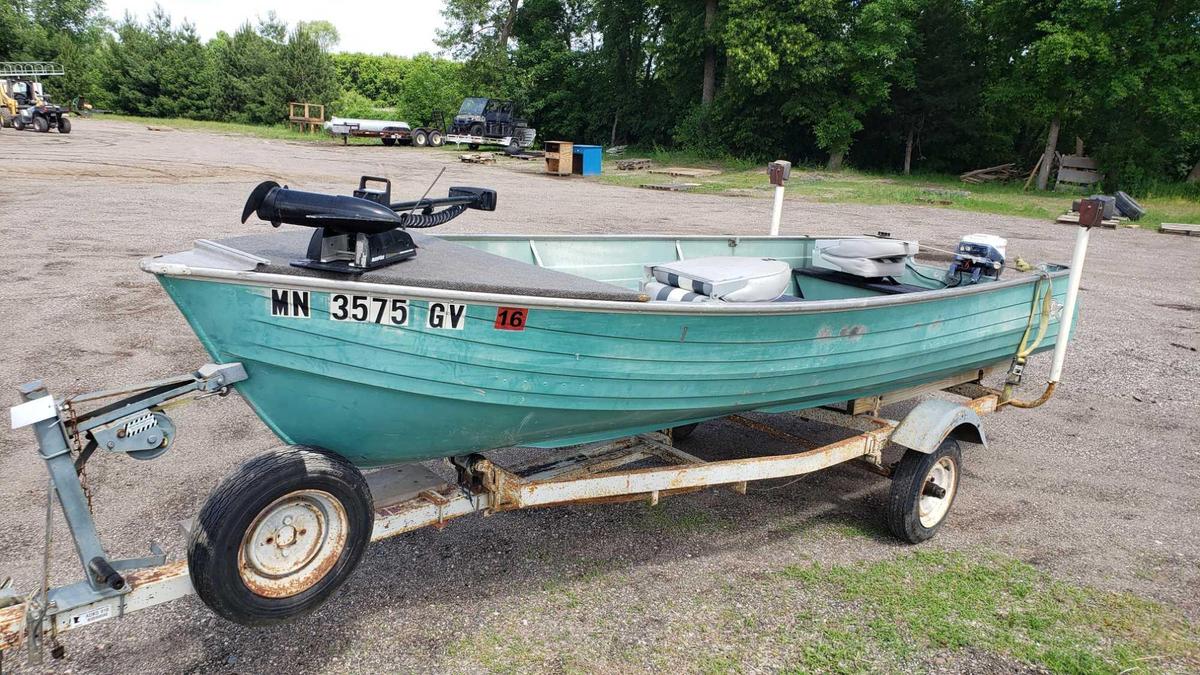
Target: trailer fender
934 420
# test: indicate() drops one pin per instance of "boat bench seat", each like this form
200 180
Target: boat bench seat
879 285
718 278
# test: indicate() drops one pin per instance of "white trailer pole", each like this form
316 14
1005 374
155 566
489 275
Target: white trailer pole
1068 311
777 211
778 171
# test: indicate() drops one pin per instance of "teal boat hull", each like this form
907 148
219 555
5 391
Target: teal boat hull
383 394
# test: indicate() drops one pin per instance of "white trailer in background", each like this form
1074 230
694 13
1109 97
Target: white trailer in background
390 132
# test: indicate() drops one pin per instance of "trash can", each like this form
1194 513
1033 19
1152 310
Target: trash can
588 160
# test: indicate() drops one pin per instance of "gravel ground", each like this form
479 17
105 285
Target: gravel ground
1098 487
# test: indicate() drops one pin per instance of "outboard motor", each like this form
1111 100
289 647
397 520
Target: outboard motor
364 232
978 255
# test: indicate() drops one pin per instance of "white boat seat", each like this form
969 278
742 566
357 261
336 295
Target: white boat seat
727 278
864 257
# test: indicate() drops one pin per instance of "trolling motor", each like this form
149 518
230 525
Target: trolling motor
363 232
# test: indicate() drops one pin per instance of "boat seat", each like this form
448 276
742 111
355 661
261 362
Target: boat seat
724 278
881 285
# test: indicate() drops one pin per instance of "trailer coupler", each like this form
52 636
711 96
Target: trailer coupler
131 421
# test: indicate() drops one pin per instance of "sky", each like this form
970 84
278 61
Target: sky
404 27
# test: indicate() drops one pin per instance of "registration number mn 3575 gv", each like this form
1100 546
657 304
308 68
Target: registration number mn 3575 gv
355 308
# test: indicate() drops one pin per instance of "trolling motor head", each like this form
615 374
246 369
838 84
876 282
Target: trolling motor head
363 232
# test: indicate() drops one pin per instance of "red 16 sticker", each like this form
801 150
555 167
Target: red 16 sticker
511 318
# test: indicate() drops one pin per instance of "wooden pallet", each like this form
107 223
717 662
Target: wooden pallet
632 164
670 187
684 171
478 158
1072 218
1186 229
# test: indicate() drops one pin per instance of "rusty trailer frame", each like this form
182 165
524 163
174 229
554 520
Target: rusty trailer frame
409 497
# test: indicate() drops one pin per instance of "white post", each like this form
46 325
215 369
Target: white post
1068 311
777 211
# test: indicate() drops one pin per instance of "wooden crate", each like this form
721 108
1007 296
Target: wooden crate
560 157
1077 171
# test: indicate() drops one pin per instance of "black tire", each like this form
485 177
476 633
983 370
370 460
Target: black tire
64 125
388 141
915 469
419 138
683 431
514 148
1129 207
41 124
18 124
220 554
472 146
475 129
436 139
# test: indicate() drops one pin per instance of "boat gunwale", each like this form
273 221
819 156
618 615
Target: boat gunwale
152 265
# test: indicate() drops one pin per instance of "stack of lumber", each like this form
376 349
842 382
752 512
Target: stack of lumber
1001 172
670 187
478 158
633 164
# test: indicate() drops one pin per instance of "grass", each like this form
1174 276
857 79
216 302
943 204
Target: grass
945 601
739 177
898 614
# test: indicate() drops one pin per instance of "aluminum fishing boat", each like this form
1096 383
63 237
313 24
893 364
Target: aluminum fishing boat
368 345
470 342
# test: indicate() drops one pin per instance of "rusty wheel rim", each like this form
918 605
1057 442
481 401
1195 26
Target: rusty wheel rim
943 474
293 543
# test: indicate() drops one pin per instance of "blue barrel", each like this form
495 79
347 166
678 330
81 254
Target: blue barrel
588 159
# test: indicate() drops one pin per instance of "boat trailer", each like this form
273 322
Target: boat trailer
134 421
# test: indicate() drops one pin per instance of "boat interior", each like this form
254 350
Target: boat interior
369 238
632 268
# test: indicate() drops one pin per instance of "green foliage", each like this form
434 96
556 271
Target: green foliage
970 83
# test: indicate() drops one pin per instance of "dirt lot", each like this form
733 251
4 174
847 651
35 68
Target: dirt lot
1099 488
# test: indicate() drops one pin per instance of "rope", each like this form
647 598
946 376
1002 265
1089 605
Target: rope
1026 348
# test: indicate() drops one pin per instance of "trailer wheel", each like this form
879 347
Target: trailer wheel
388 141
435 138
280 535
41 124
419 138
472 146
64 125
923 489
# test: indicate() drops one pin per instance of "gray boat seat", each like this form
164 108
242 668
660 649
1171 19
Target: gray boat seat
718 278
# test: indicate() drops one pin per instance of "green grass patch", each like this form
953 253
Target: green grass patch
679 517
1168 204
947 601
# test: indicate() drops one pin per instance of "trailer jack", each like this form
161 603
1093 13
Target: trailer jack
132 422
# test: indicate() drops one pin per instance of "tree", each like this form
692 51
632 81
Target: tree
827 62
324 32
709 83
